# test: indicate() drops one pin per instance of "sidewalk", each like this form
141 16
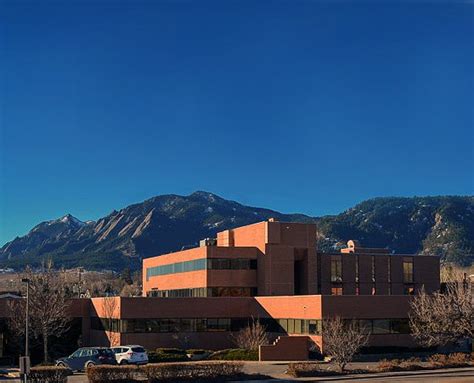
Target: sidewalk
276 370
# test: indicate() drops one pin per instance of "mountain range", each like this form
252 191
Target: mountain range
441 226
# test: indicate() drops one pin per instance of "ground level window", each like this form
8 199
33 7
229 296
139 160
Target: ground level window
408 290
336 290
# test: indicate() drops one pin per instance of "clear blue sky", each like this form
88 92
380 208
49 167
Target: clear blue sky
299 106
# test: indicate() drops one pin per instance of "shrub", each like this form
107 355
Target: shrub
308 369
173 351
298 370
167 355
204 371
115 374
50 374
389 365
458 359
234 354
197 351
438 360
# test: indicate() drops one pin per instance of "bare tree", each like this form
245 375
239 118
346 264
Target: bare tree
110 313
132 290
252 336
452 273
48 307
342 340
441 318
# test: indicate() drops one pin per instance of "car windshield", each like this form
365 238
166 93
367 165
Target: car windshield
138 349
106 351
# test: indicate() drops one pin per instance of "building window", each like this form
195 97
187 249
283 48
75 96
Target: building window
336 290
389 270
408 290
315 327
204 292
399 326
357 268
203 264
408 269
365 326
231 264
285 325
381 326
336 268
232 291
373 269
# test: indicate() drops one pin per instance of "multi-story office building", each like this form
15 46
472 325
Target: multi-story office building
270 271
280 259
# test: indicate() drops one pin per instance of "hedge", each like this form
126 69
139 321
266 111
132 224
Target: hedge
165 372
48 374
167 355
234 354
205 371
114 374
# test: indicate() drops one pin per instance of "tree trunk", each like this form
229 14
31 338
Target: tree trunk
45 346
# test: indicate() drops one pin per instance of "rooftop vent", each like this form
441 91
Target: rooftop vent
208 242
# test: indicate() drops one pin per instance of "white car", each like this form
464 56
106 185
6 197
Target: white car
130 354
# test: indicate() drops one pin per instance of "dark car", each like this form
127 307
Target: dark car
86 357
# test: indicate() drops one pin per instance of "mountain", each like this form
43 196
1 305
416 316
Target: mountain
441 226
428 225
158 225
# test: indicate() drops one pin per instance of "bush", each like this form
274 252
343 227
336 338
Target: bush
438 360
197 351
458 359
115 374
298 370
167 355
174 351
234 354
308 369
386 365
204 371
50 374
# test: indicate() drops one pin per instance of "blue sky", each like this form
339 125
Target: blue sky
298 106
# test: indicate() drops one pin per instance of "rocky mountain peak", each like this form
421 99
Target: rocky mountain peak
441 226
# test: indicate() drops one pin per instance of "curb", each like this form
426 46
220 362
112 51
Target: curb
439 371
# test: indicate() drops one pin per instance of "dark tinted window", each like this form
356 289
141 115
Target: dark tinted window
138 349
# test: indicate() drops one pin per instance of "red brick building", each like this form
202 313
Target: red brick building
270 271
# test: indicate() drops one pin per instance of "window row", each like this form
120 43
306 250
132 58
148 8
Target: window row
204 292
291 326
284 326
338 289
203 264
336 269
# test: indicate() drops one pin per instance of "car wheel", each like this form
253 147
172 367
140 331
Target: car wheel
61 364
123 362
90 364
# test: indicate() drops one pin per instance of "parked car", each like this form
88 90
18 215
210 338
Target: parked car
87 357
130 354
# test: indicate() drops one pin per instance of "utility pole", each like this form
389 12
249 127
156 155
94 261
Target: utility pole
26 360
